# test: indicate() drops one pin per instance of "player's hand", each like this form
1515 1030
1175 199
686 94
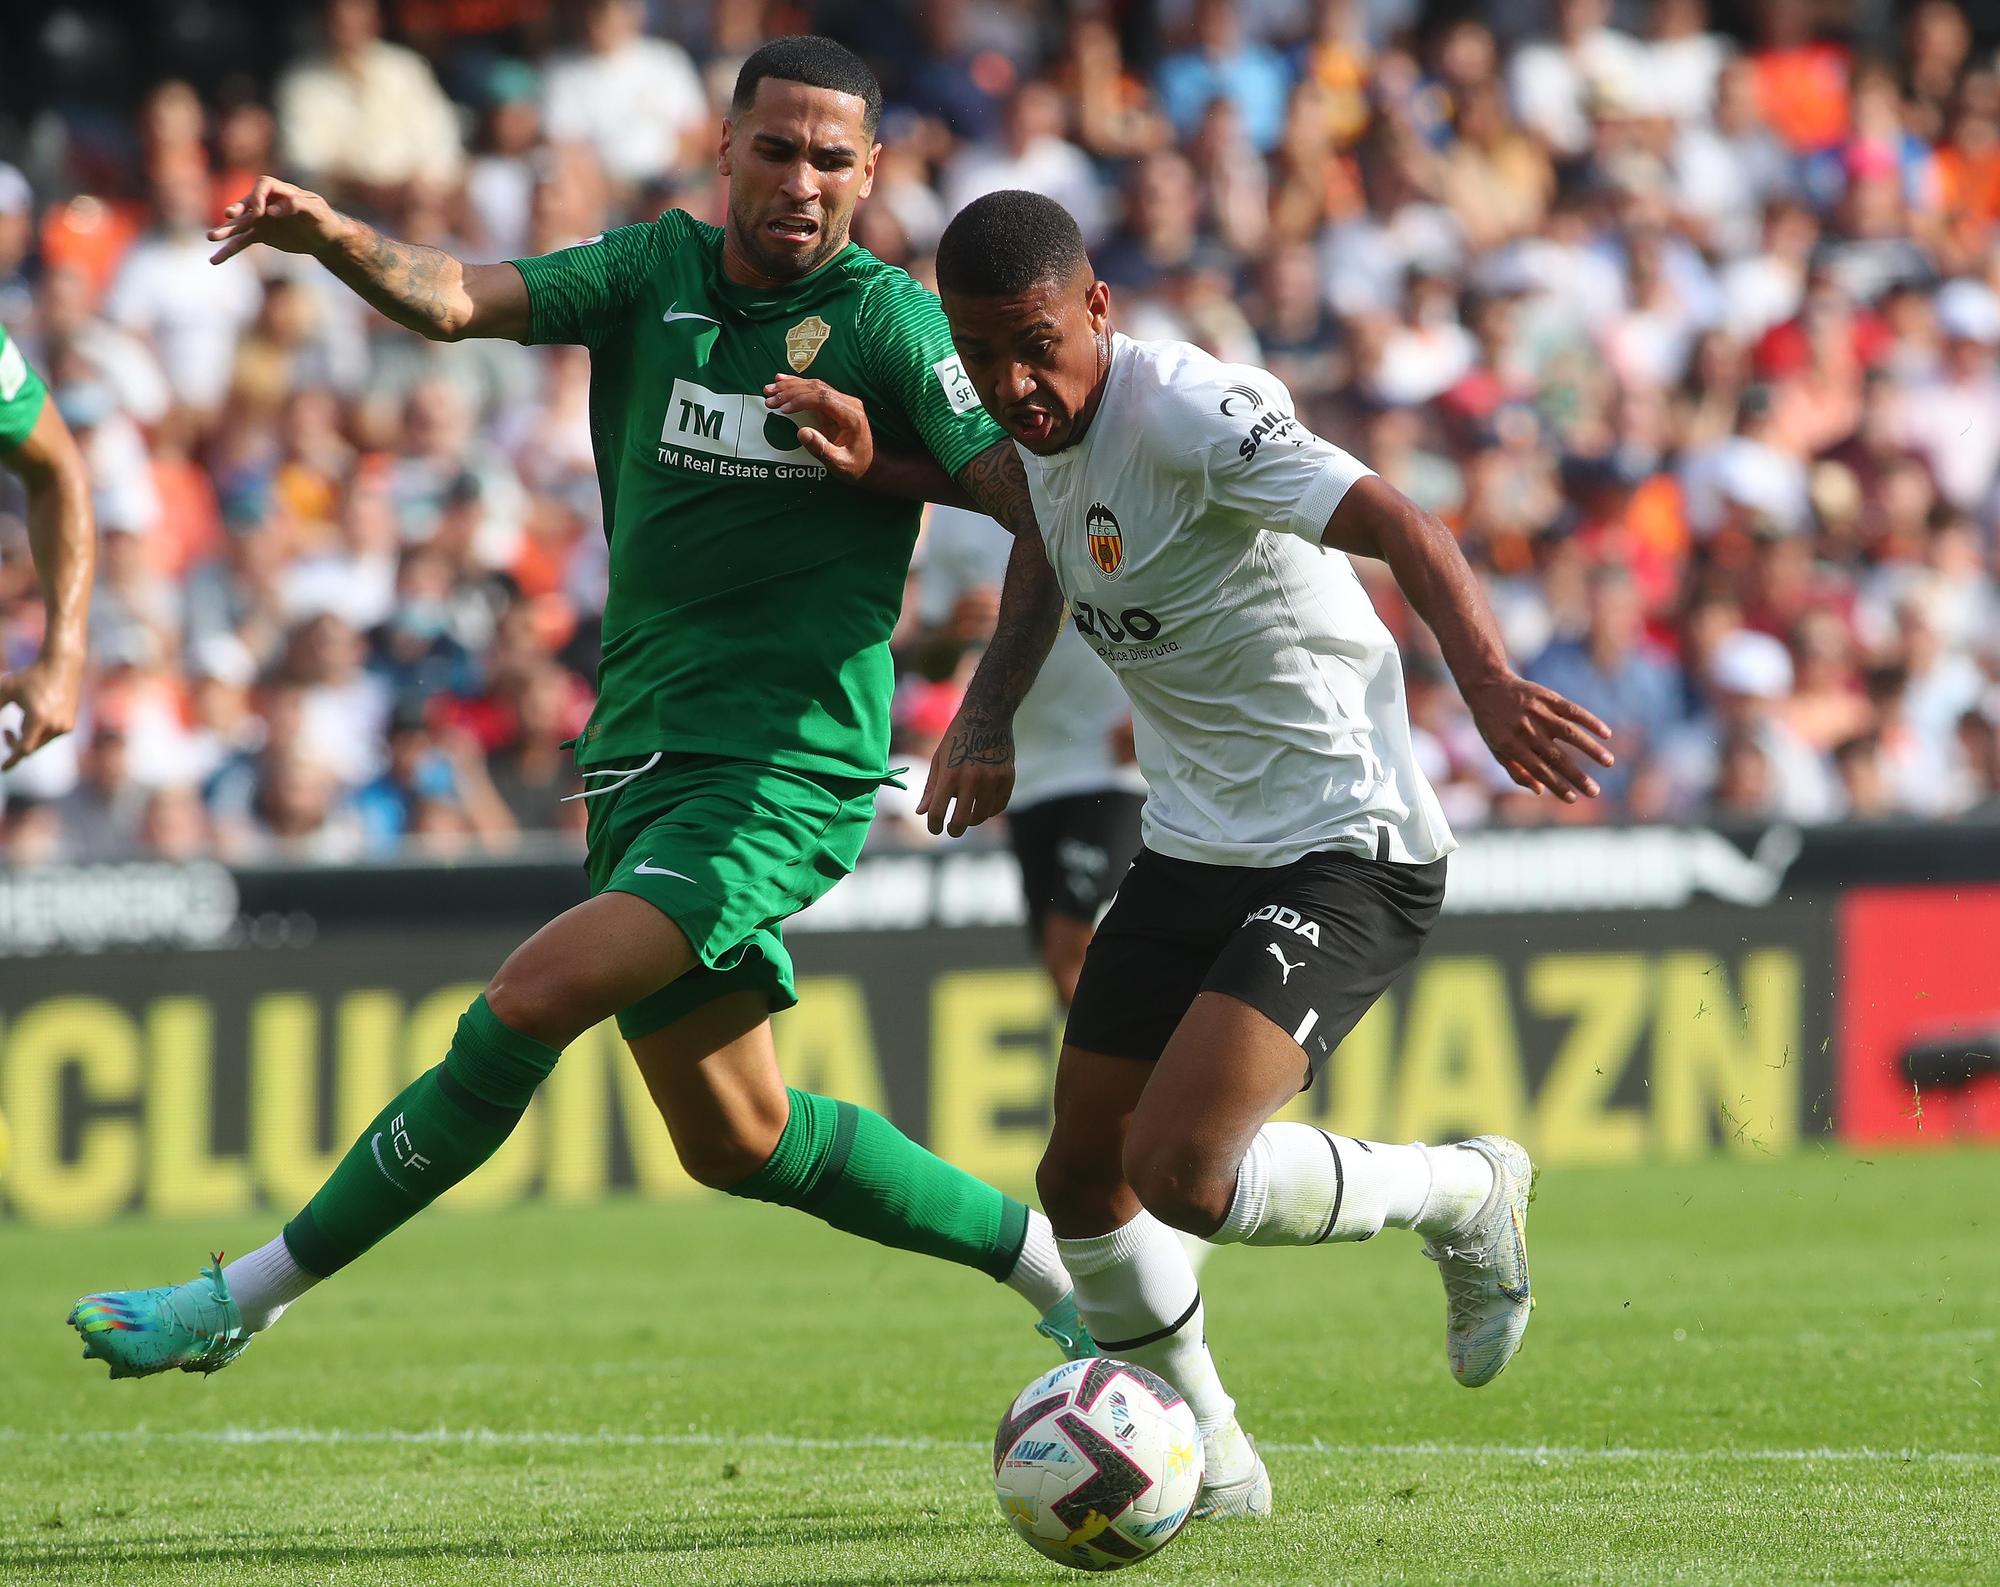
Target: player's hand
1538 735
47 691
972 773
277 214
832 425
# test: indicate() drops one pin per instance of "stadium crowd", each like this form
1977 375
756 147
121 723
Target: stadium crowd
1691 338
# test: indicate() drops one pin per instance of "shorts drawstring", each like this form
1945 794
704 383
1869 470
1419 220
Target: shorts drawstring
622 775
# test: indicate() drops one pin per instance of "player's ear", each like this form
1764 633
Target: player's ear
1097 303
722 153
868 172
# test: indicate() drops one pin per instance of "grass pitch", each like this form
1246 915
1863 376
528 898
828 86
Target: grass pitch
1741 1372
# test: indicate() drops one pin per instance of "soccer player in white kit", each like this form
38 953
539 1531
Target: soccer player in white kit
1294 855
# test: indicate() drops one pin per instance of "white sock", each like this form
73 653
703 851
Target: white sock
1198 1250
265 1282
1298 1185
1039 1274
1138 1295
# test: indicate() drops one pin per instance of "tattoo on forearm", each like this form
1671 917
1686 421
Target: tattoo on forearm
406 281
1031 604
998 484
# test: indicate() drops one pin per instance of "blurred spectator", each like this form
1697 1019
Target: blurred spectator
17 234
500 177
532 777
174 825
1032 153
1223 62
82 346
423 773
344 708
167 291
637 102
1801 81
296 814
100 821
1613 670
1953 415
364 115
1740 745
1555 83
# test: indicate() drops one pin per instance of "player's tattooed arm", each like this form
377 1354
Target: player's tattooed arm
972 773
423 289
1535 733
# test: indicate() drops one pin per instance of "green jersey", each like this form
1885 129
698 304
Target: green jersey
21 394
751 594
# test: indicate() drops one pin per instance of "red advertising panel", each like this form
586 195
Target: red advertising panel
1918 1023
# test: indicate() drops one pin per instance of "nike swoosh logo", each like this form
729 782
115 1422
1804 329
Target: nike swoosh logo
678 313
1517 1293
648 868
375 1146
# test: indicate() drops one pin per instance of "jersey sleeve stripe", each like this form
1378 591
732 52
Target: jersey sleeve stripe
1327 489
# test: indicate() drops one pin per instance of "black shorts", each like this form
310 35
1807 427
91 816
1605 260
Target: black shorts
1073 853
1309 945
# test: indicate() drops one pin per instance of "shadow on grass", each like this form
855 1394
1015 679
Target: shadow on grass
780 1533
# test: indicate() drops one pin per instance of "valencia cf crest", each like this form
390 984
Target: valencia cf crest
804 340
1107 545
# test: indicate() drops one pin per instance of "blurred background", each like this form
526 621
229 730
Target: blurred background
1683 316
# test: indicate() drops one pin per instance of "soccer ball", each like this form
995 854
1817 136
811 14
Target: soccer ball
1097 1464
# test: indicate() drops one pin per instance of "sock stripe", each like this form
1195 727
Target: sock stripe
846 1119
470 1102
1011 1241
1339 1190
310 1248
1115 1346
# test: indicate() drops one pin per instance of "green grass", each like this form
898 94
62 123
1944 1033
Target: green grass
1741 1372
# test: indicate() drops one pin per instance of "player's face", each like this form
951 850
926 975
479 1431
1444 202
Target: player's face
1037 359
798 161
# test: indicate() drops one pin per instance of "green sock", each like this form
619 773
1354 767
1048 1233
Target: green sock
858 1172
445 1123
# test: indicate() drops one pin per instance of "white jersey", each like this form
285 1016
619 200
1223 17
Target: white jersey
1062 732
1267 695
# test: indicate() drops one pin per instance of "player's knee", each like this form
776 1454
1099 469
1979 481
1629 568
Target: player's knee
524 998
733 1143
1178 1186
723 1160
1076 1182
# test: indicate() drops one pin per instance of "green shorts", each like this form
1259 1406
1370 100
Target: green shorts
725 849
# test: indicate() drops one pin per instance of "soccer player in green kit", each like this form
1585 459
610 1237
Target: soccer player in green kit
741 729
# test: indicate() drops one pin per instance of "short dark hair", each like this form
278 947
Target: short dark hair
1006 243
818 63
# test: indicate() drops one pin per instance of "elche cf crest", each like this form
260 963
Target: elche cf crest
804 340
1107 545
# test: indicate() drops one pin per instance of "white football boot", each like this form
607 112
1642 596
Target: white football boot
1233 1478
1485 1268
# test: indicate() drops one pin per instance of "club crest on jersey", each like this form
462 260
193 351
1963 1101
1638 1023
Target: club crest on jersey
1289 920
1107 545
803 342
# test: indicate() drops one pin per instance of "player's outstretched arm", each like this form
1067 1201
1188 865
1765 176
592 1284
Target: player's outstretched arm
423 289
62 540
1533 732
972 773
